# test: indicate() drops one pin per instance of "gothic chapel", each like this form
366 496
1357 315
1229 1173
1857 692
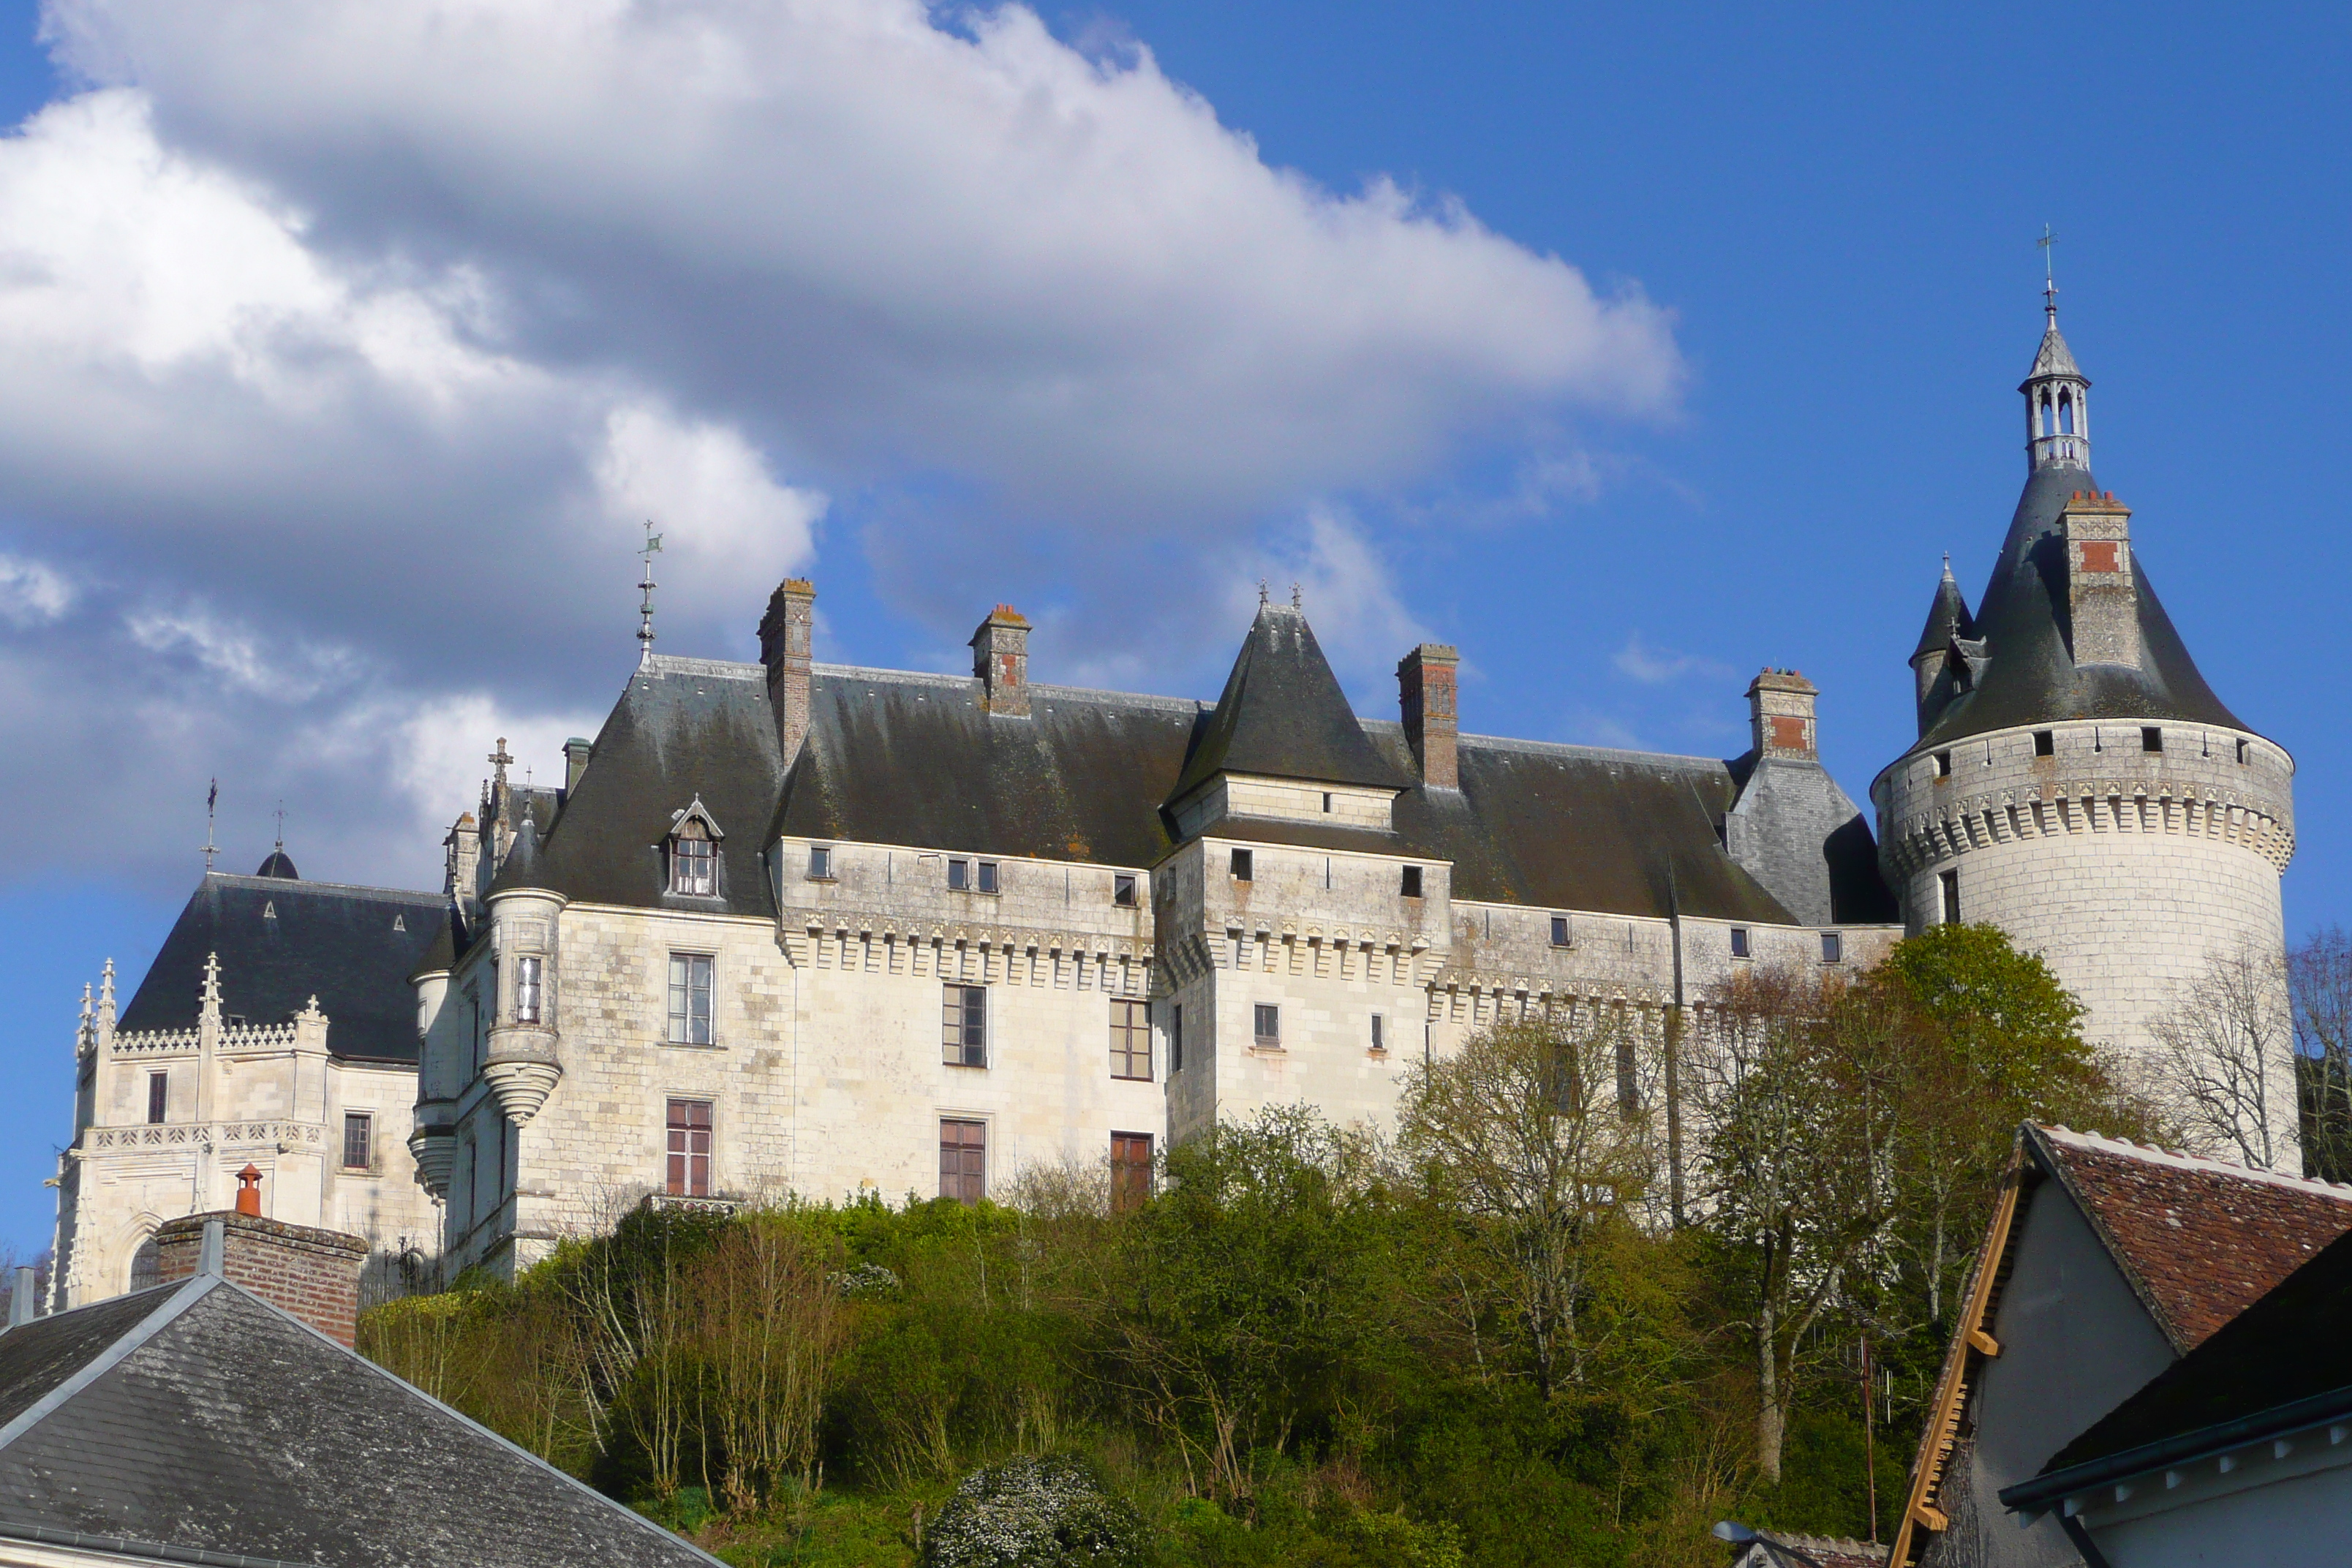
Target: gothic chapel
829 930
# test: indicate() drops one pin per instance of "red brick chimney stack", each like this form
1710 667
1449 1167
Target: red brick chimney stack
313 1274
1425 693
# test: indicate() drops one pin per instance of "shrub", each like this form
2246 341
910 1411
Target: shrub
1052 1512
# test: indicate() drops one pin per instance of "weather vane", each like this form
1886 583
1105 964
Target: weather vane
212 800
281 825
645 627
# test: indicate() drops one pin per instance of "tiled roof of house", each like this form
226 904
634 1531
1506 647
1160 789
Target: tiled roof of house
2200 1240
199 1422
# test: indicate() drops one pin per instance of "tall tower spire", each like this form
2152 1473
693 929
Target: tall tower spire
2057 393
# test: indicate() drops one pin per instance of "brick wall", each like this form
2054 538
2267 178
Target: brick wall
313 1274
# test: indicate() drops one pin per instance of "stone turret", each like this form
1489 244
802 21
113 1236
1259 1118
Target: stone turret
523 1062
2077 782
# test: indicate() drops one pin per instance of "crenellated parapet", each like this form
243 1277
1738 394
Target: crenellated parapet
888 943
2222 787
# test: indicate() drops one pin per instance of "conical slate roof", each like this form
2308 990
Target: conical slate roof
2030 676
1284 716
2055 358
1948 616
280 865
523 867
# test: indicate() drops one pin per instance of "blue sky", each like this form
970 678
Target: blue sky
1832 211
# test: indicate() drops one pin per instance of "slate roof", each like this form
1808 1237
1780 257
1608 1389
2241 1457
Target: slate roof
2031 677
2053 357
2200 1240
1785 1551
1948 616
684 727
282 942
1282 715
2275 1359
199 1419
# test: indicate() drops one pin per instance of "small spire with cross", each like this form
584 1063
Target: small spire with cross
500 762
1261 592
2048 275
281 825
645 611
1295 602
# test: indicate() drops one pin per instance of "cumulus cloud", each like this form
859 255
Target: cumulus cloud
358 341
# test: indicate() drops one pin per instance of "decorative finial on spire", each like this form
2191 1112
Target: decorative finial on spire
212 800
105 988
1948 563
2049 276
208 1000
500 762
645 611
1296 603
282 826
1261 593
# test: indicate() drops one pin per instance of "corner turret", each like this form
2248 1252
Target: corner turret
1941 664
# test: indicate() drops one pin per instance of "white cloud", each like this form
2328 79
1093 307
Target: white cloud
241 656
439 753
1639 661
33 593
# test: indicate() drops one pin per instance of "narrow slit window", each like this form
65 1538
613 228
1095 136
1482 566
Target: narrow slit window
2045 743
1629 1082
528 974
1739 942
2151 738
1245 864
158 1096
1412 887
2242 753
1175 1036
689 1149
963 1160
1380 1034
1950 883
1326 800
1267 1024
965 1026
358 1140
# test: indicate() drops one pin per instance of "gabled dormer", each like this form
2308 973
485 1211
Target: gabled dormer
691 853
1283 744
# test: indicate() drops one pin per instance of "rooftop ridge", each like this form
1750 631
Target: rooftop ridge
2099 1143
717 668
275 885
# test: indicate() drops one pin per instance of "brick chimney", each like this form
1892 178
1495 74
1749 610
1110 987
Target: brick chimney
1000 658
576 753
1426 692
313 1274
787 635
2102 592
1780 716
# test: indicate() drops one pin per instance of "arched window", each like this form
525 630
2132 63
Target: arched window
2066 413
146 1266
2047 426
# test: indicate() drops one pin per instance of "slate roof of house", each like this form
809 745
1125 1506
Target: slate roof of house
2030 677
1782 1550
281 942
2199 1240
2275 1359
1282 715
197 1418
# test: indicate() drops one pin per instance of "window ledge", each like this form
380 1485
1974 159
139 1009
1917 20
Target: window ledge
692 1045
820 879
1267 1046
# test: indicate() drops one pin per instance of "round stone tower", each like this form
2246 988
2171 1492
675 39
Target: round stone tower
2075 781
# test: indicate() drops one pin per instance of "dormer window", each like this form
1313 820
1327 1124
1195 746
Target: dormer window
694 853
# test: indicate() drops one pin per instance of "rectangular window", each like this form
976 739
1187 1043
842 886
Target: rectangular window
2241 754
2045 743
963 1161
1833 947
959 876
1268 1024
1131 1039
689 998
527 982
159 1095
820 863
2151 738
1380 1033
1130 1169
1244 863
1559 931
1629 1085
1950 883
690 1148
693 862
358 1140
1738 941
963 1039
1943 764
1412 887
1326 800
1122 892
987 876
1176 1037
